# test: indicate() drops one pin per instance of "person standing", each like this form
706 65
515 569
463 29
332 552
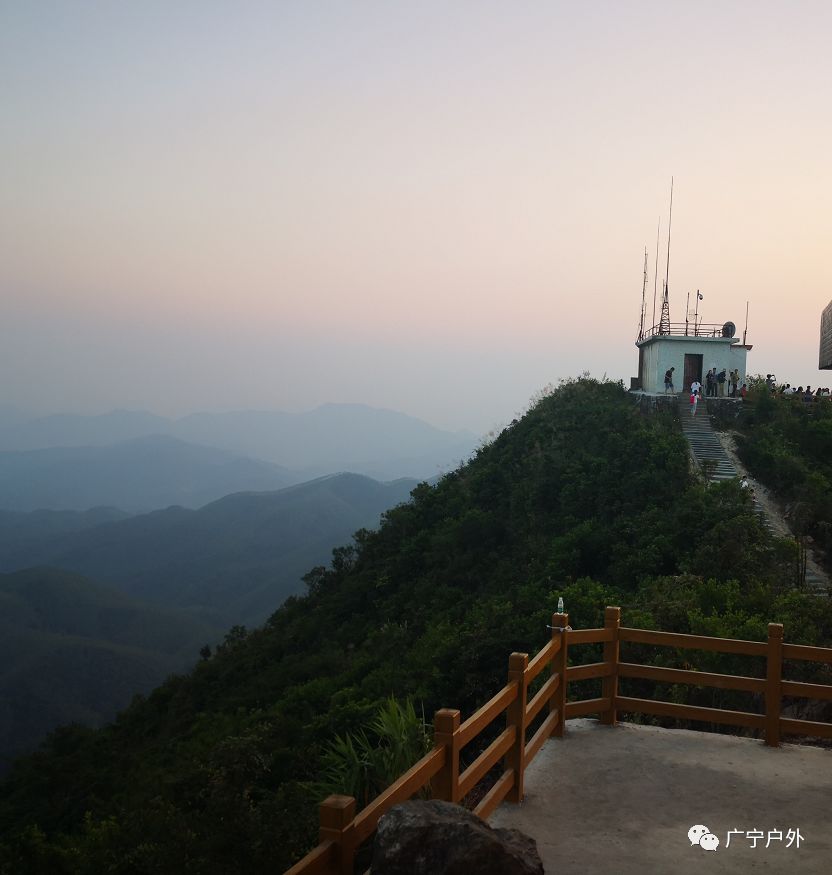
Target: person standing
695 387
720 379
710 381
735 379
694 400
668 381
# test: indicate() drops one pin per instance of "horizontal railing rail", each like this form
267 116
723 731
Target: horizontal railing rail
342 831
686 329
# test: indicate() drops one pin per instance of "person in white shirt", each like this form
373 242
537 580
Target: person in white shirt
695 386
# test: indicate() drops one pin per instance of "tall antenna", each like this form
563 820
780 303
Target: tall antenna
745 330
669 224
656 273
643 301
664 325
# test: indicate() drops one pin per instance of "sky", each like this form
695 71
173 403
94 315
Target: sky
433 207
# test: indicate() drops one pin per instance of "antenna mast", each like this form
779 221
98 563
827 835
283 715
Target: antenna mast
643 300
656 273
664 327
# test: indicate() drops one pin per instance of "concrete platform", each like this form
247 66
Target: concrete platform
622 799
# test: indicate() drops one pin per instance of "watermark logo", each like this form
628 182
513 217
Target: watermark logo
699 834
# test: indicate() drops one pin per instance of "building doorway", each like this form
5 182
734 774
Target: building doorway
693 370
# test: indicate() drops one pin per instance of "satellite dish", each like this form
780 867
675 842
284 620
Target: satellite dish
729 329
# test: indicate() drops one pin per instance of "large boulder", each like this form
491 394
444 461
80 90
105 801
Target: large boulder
438 838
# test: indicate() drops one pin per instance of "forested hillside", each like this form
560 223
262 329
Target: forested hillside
74 651
582 498
787 444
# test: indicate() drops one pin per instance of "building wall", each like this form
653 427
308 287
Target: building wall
825 356
662 353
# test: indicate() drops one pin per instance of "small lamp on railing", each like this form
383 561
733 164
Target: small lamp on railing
560 604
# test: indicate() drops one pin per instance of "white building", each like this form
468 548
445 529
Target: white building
692 352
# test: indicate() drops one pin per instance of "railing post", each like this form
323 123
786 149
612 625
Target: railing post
609 685
516 717
445 785
337 816
559 663
774 676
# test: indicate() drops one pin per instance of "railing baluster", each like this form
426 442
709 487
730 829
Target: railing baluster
516 717
559 624
609 685
337 816
774 677
446 734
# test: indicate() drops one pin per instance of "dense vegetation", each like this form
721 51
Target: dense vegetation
581 498
74 651
787 444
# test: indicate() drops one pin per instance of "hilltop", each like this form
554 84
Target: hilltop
581 498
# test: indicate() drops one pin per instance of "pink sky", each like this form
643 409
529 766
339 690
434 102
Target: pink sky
437 208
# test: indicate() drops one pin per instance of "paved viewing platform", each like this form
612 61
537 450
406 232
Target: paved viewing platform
622 799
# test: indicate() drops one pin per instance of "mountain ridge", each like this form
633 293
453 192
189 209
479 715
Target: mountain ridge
232 561
382 443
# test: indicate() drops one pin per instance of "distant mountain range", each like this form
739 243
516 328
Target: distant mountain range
334 437
115 603
233 561
137 475
74 651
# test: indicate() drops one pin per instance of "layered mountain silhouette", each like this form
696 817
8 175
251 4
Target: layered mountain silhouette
137 475
334 437
233 561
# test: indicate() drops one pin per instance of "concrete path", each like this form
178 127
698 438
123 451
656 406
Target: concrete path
622 799
766 505
717 448
705 446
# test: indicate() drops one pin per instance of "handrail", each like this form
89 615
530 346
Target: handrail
440 767
803 651
687 329
319 861
410 782
694 642
486 760
475 724
543 658
699 678
342 831
542 697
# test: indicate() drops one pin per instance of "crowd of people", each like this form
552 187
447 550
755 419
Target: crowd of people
719 384
716 383
786 390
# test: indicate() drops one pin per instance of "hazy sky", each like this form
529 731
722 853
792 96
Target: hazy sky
432 207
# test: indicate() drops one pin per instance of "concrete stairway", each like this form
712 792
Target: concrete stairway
704 444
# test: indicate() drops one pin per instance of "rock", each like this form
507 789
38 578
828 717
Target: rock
438 838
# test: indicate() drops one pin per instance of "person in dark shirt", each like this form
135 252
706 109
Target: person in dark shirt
668 380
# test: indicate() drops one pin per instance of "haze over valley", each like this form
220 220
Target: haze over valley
129 542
